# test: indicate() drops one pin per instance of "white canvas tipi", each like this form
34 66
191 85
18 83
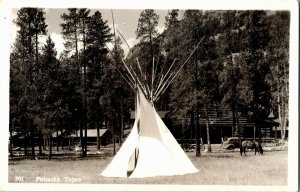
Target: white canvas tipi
150 149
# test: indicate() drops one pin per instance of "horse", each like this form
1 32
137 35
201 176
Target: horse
251 145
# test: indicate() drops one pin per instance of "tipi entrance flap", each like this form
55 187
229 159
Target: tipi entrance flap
132 162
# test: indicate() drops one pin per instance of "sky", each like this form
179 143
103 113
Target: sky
126 21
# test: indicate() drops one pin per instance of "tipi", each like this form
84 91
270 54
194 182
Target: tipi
150 149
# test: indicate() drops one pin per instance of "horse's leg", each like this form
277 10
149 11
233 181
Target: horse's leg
261 151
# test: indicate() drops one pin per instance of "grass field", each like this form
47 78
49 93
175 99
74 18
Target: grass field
216 168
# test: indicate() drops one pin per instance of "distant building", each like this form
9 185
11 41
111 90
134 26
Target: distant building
221 125
104 134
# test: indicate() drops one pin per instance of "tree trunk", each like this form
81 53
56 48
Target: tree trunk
69 143
61 139
222 138
44 143
207 130
280 114
114 137
25 146
282 109
85 86
275 135
181 133
114 144
76 40
57 143
32 140
198 143
40 143
233 97
192 127
50 148
10 143
122 124
254 132
284 125
98 138
233 119
81 139
36 48
257 125
85 112
285 113
151 46
285 99
259 134
238 129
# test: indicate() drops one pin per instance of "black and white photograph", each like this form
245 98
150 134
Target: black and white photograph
177 97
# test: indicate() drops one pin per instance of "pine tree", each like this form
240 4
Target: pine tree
258 67
84 20
70 30
147 23
172 18
146 31
50 88
98 32
279 60
231 46
31 22
18 99
74 30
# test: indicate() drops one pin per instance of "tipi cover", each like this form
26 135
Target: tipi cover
150 149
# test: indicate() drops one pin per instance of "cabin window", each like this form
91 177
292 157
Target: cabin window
225 113
219 113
